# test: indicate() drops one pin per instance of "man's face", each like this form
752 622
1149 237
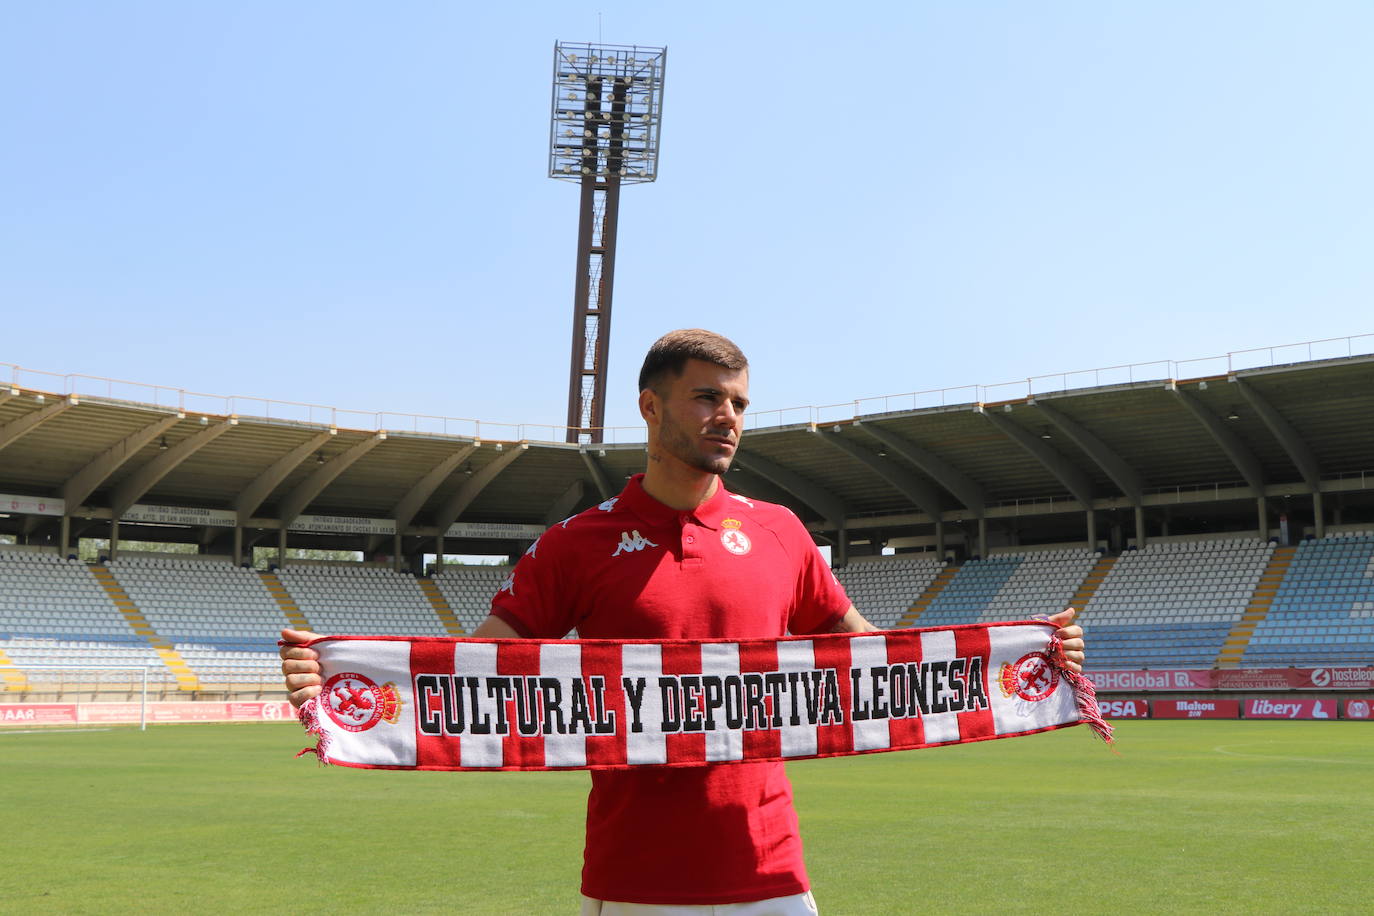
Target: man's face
701 416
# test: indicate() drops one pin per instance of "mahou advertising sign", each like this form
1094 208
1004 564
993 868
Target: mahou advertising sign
1197 709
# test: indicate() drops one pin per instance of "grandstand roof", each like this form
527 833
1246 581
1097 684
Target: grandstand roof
1278 430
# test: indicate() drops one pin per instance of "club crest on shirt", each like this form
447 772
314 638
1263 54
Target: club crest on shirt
733 539
1032 678
357 703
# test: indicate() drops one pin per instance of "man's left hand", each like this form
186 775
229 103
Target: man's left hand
1070 638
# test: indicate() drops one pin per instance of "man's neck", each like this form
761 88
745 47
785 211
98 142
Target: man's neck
678 486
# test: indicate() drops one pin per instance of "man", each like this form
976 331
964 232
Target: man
676 555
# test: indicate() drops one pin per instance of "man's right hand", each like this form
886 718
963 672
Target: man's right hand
300 665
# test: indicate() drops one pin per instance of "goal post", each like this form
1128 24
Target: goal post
62 686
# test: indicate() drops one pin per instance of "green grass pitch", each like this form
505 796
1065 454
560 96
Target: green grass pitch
1199 817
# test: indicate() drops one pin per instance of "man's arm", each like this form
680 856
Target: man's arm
853 622
1070 635
301 665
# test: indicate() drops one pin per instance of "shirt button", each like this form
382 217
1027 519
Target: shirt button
690 539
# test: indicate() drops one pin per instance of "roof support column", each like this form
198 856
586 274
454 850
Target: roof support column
940 537
983 536
238 545
114 537
1092 528
1318 519
65 537
1139 526
1262 523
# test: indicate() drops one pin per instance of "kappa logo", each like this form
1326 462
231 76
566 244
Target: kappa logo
356 703
742 499
1032 678
529 551
609 504
631 541
508 585
733 539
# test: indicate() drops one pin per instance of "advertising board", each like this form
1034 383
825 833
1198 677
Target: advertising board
1124 709
1290 708
1196 709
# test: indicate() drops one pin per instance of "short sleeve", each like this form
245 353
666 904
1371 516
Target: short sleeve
535 599
820 599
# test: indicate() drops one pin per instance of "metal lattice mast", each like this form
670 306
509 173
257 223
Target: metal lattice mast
606 112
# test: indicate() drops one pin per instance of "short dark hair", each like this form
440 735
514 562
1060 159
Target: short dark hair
669 354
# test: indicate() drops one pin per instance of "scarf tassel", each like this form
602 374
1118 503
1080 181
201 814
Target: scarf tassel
309 716
1084 694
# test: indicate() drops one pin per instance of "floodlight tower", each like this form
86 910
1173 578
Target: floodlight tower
607 107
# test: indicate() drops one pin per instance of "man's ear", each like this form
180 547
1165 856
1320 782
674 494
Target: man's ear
648 405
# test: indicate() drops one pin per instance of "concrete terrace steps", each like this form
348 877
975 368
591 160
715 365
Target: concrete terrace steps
1091 582
279 594
186 678
441 606
11 677
919 606
1257 609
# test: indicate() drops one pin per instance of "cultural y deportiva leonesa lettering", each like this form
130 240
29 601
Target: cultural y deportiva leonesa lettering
450 704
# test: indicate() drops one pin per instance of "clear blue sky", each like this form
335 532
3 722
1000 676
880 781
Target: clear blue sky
347 202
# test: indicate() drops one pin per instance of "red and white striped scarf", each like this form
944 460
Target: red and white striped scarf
435 703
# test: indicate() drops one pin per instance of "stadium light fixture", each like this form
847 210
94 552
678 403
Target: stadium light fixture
162 446
1233 415
605 114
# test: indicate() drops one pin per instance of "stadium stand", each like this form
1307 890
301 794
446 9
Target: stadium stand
885 589
1196 590
1010 586
223 621
361 600
219 618
468 590
54 612
1323 611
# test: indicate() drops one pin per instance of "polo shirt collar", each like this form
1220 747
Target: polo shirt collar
709 514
